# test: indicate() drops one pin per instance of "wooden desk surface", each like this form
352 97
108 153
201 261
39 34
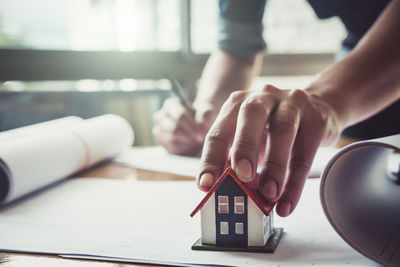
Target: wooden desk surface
107 170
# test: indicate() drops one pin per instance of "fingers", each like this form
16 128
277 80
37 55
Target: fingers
205 113
218 141
288 125
308 139
175 129
205 116
303 153
283 129
252 119
182 117
170 136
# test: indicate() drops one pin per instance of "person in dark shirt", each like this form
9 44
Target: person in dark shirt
281 130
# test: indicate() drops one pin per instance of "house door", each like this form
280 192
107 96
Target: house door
231 214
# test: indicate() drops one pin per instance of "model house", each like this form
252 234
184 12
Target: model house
233 215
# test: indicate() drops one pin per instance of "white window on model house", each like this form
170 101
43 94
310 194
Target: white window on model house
239 228
224 228
223 204
239 205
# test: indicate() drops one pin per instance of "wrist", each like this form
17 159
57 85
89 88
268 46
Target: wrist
333 106
336 97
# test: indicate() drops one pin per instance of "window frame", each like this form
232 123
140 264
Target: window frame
241 224
223 225
237 204
223 204
184 65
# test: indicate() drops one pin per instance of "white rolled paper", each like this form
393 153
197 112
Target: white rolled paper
38 155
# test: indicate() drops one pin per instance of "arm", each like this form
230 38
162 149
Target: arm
369 78
176 129
229 69
223 74
298 121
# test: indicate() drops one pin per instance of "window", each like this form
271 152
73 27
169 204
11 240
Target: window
239 228
135 38
124 25
239 205
131 25
223 205
224 228
284 20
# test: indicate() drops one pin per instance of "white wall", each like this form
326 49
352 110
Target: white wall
255 224
208 228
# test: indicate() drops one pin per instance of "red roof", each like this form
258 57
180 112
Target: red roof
265 207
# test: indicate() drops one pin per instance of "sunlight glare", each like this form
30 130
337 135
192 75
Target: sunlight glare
125 11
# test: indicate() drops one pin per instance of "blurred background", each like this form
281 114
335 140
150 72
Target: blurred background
90 57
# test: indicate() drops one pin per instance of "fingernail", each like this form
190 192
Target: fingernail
244 170
270 189
284 208
206 180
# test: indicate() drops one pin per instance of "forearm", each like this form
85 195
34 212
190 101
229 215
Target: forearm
369 78
223 74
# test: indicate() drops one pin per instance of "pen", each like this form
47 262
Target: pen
177 90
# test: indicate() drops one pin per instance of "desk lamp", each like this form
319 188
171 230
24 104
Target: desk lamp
360 195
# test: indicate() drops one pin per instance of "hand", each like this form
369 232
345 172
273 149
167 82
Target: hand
177 130
289 125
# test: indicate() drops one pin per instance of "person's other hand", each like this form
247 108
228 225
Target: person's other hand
178 131
289 125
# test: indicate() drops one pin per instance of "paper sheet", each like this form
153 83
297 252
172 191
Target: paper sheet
149 222
159 160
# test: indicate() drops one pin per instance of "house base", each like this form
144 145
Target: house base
269 247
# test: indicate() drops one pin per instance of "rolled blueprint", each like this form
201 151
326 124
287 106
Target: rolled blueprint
360 195
39 155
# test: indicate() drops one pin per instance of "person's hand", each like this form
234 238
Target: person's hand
178 131
289 125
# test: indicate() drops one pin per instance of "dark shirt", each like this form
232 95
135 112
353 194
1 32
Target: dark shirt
241 33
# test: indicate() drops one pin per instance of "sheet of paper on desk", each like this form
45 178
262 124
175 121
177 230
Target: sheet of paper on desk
159 160
149 222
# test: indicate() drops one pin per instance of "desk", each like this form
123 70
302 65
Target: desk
105 170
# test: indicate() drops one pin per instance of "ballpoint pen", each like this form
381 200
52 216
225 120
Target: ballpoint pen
177 90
